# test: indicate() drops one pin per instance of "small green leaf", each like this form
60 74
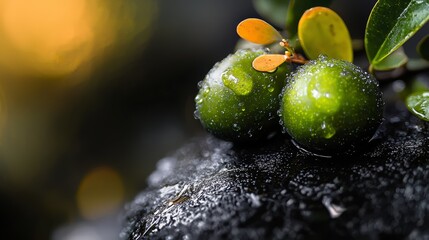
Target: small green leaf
391 23
418 104
296 9
273 11
423 48
322 31
395 60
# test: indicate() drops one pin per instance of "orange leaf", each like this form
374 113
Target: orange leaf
268 62
258 31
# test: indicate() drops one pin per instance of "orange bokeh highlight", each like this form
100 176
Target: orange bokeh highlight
54 38
101 192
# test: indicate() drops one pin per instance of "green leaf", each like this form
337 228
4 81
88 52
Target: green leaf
273 11
391 23
322 31
423 48
395 60
418 104
295 11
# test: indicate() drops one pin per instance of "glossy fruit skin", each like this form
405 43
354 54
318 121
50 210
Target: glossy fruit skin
331 106
237 103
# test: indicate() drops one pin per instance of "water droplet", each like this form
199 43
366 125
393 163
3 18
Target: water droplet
254 200
235 127
328 130
333 209
197 114
270 88
200 84
206 90
240 83
198 99
323 57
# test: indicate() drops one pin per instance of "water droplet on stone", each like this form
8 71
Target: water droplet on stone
333 209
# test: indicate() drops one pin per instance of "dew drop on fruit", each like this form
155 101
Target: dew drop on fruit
328 130
236 127
198 99
200 84
197 114
206 90
237 81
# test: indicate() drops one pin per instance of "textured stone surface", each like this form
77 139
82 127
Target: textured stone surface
210 189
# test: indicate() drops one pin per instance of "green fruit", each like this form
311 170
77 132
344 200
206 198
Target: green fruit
238 103
330 105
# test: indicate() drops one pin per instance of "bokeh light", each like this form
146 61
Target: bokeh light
45 43
52 38
3 111
133 66
101 192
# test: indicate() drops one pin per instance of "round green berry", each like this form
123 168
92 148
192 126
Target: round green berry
237 103
331 105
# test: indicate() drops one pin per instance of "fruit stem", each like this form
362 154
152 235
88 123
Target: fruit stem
371 69
298 58
291 56
284 43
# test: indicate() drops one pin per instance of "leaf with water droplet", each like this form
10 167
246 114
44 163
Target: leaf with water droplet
391 24
423 48
418 104
395 60
258 31
322 31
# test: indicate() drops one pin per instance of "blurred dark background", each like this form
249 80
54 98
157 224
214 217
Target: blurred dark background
85 121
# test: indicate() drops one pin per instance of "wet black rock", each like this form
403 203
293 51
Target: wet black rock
210 189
